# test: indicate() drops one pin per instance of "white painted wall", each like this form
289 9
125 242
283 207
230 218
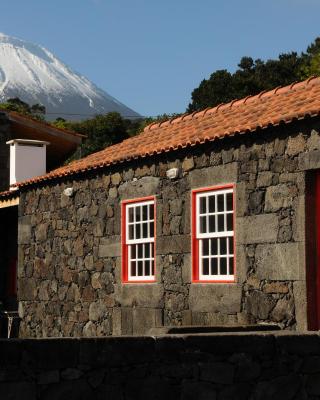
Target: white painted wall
27 159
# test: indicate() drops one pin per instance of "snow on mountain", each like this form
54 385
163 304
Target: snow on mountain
35 75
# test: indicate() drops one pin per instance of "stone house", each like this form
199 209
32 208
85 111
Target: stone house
23 154
206 219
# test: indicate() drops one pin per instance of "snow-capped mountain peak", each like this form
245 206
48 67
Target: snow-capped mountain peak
35 75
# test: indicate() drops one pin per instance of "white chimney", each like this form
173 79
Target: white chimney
27 159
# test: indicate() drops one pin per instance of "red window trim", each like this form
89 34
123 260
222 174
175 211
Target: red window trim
124 246
194 240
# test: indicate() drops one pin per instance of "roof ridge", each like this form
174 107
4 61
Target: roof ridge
233 103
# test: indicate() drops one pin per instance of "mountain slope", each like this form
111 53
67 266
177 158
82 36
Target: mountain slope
35 75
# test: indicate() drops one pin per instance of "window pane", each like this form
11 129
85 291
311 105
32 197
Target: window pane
223 266
203 224
212 223
229 222
133 268
220 202
214 266
145 230
231 267
229 202
147 250
130 214
151 229
140 268
223 246
152 263
147 268
214 247
203 205
212 204
205 266
205 247
133 251
138 231
220 222
230 245
138 213
145 213
151 211
131 229
140 250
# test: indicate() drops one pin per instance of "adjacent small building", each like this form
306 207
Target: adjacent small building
207 219
28 148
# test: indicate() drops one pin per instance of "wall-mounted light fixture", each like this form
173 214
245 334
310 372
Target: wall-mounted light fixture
172 173
68 192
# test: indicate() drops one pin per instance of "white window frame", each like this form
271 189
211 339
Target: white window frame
148 240
215 235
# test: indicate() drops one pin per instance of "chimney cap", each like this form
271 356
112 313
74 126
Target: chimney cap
28 142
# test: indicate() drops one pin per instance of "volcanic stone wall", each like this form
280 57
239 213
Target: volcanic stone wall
69 278
217 367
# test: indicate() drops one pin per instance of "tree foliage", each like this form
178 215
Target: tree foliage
254 76
101 131
36 111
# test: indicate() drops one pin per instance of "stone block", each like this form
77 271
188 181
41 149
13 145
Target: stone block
198 390
211 176
257 229
24 230
175 244
143 319
310 160
186 268
18 391
110 247
300 299
295 145
147 295
264 179
116 321
284 310
283 387
241 199
126 321
224 298
27 289
313 142
281 261
146 186
69 390
241 264
259 304
187 164
279 196
217 372
299 220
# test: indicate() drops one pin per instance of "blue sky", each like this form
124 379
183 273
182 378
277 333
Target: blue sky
151 54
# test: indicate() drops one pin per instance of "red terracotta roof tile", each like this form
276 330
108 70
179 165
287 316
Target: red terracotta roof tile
268 108
9 194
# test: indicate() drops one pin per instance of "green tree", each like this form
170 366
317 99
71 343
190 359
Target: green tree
101 131
252 77
36 111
